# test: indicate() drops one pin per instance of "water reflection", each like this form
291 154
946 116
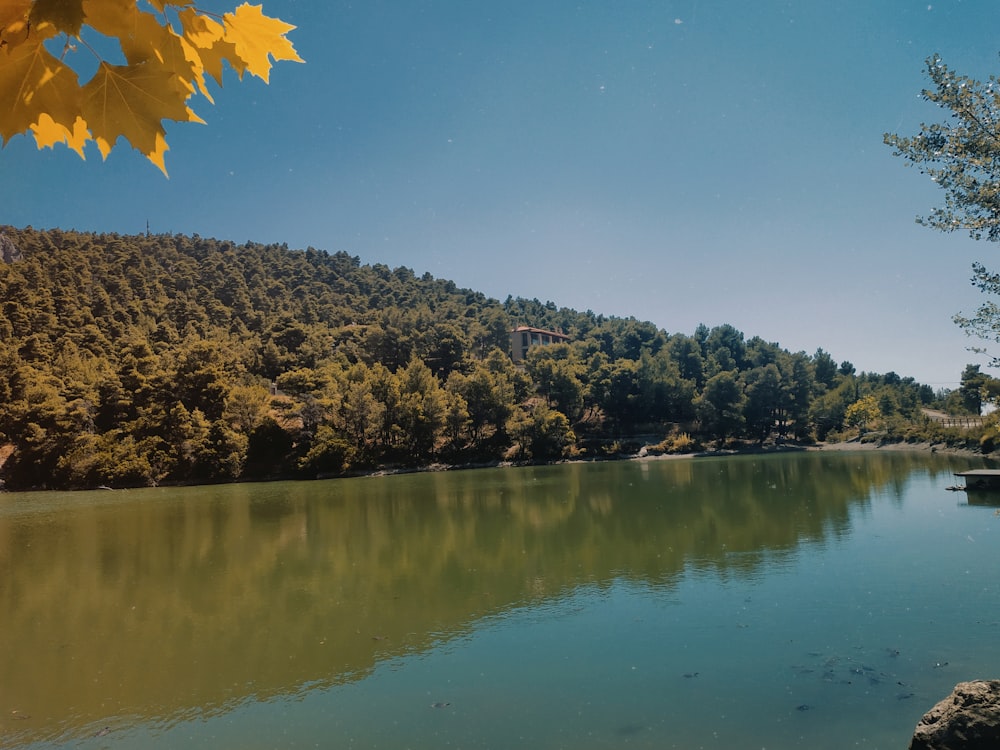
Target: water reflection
153 605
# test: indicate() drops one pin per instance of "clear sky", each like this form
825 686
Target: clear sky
680 161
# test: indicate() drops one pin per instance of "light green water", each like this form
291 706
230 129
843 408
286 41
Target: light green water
798 600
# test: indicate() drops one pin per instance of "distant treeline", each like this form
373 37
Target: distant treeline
139 360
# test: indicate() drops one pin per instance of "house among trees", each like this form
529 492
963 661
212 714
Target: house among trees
523 338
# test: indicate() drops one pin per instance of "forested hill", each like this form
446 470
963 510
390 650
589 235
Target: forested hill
137 360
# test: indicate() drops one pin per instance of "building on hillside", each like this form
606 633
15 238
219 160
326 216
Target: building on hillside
523 338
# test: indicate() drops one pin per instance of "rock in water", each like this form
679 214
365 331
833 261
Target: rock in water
969 718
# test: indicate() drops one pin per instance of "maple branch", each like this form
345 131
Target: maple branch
166 63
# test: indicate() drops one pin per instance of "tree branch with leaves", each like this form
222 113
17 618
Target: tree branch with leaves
962 156
151 58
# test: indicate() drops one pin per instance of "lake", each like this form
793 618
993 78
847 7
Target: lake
820 599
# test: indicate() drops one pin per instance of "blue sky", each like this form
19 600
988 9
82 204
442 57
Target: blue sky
681 162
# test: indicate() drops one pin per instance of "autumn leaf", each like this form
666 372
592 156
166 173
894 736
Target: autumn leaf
161 5
65 15
258 39
131 101
33 81
48 133
14 22
207 36
13 10
167 61
140 35
202 31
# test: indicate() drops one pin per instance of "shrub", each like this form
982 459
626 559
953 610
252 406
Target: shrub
987 443
675 442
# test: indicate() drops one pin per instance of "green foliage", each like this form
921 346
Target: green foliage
329 453
973 389
720 406
164 359
962 156
825 369
558 375
488 396
675 442
541 433
763 400
423 410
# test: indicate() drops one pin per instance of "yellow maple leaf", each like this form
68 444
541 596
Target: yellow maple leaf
201 30
13 10
207 37
48 133
197 68
130 102
167 63
158 153
139 33
220 52
33 81
14 22
65 15
113 18
259 39
161 5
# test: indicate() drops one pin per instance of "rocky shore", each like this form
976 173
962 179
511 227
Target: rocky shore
968 719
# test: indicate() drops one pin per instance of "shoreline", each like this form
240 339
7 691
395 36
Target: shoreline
844 447
853 446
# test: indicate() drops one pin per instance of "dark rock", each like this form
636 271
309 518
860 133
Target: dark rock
969 718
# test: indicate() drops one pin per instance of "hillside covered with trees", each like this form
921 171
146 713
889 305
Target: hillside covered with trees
140 360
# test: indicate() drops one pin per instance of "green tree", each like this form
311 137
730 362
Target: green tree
359 415
45 427
621 395
725 343
329 452
200 379
183 438
557 375
423 410
541 433
763 400
664 396
223 454
246 407
385 388
972 388
825 369
444 348
456 423
962 156
687 353
798 387
720 406
489 399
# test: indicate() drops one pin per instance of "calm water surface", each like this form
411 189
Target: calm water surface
802 600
